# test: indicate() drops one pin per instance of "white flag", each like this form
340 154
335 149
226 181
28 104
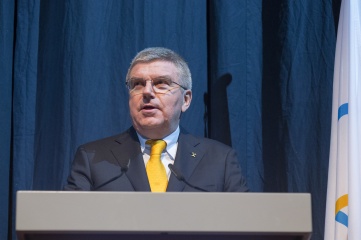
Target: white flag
343 208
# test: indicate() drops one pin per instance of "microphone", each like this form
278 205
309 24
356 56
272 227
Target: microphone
123 169
181 178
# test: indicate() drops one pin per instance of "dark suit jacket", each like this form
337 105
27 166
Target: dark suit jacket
204 163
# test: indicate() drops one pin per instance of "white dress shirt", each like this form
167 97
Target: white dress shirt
168 154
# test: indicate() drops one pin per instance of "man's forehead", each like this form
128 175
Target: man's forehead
154 69
156 62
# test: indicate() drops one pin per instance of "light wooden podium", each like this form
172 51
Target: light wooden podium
142 215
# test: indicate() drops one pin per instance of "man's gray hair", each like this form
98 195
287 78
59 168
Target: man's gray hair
163 54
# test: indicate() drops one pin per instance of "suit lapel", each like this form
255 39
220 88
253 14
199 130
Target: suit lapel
189 154
128 152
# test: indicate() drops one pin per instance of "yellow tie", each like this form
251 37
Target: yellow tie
157 175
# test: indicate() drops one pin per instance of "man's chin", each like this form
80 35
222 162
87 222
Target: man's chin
150 124
149 127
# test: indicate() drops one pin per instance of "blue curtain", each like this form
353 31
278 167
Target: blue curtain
7 9
262 83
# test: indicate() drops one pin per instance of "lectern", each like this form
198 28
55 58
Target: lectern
141 215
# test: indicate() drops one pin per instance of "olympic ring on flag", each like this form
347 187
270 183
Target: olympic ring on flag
341 217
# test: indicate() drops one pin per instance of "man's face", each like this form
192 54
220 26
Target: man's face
157 115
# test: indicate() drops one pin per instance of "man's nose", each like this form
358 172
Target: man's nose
148 87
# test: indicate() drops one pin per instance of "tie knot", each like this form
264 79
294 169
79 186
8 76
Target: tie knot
157 146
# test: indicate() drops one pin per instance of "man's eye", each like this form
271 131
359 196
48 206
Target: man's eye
161 82
137 83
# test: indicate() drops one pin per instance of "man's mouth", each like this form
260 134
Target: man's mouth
148 107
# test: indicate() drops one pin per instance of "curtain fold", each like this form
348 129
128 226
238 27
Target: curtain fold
235 67
297 96
24 115
262 83
7 15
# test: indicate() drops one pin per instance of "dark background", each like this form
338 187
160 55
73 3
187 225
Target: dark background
262 83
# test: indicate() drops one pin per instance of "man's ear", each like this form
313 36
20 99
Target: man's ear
187 99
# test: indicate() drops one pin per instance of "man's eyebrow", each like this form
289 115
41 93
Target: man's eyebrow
165 77
135 79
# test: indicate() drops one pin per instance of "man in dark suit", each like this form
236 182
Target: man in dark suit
159 83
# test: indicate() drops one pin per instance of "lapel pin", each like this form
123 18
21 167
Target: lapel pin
194 154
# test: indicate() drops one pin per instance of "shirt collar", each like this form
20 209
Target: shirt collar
171 141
